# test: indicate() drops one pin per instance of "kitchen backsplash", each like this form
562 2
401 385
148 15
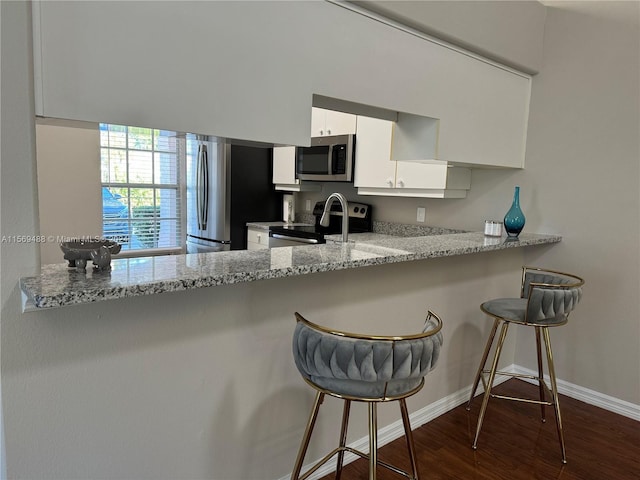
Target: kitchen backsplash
389 228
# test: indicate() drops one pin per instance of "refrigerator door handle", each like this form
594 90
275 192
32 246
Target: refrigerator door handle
202 187
199 188
205 213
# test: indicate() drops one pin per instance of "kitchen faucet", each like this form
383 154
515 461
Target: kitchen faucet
324 220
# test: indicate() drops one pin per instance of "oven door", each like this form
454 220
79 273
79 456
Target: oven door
288 236
280 240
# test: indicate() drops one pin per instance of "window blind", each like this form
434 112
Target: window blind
141 186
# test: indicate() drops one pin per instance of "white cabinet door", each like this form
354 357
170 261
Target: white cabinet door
318 118
377 174
491 130
284 166
432 176
373 165
284 172
421 175
257 238
330 122
339 123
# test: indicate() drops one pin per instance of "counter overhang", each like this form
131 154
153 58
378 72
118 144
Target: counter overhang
58 286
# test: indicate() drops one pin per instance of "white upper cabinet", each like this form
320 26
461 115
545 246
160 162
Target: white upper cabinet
373 164
377 174
239 70
329 122
284 172
491 130
284 167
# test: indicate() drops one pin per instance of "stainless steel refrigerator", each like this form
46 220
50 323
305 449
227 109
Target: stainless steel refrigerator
227 186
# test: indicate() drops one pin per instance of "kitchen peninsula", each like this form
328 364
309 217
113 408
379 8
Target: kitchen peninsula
58 286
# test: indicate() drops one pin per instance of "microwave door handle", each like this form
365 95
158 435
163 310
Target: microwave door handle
330 161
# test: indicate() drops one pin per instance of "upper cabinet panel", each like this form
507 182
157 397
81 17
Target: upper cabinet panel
329 122
249 70
508 32
198 67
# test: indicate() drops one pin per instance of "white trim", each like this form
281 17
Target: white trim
439 407
586 395
36 15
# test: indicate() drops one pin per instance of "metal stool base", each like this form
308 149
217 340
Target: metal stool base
544 389
372 456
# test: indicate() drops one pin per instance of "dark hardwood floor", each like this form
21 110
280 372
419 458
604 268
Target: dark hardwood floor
515 445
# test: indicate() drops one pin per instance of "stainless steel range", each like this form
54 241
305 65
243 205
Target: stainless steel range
360 220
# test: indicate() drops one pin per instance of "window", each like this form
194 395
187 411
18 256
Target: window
141 187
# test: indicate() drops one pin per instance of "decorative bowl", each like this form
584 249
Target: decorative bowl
79 252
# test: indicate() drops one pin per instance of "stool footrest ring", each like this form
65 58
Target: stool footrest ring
519 399
335 451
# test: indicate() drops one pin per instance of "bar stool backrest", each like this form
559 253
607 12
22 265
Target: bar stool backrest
365 367
551 295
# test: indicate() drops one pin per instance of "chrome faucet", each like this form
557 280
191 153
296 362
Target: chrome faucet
324 220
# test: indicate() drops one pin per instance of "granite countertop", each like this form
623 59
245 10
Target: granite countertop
57 285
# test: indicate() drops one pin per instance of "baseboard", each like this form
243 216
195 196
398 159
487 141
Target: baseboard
586 395
426 414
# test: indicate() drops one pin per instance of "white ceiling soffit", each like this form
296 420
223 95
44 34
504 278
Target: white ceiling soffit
509 32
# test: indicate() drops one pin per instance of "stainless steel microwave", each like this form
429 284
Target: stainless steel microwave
328 159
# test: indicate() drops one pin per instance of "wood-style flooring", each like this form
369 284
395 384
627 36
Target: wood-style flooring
515 445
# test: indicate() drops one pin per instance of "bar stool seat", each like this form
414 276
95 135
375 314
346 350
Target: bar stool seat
372 369
547 297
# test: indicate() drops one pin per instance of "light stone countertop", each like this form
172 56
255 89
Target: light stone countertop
57 285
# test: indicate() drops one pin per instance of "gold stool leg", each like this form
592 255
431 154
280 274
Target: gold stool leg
373 439
409 437
540 374
554 392
343 437
307 436
492 374
483 362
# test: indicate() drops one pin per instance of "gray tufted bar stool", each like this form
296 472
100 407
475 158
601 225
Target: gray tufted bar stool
363 368
547 297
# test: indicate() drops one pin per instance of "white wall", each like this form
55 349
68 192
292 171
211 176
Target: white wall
176 385
202 384
581 180
69 201
18 201
583 142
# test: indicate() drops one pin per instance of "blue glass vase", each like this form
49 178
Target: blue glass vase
514 219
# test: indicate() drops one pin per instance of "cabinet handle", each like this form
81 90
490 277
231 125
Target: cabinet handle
401 183
390 182
328 132
321 132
